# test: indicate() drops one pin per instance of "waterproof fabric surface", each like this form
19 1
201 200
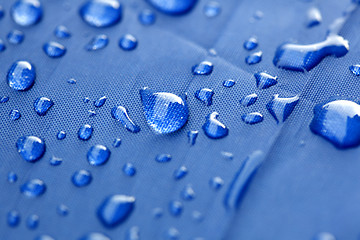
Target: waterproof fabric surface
305 185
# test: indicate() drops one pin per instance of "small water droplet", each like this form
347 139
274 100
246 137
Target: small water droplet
2 12
14 114
100 102
175 208
62 32
71 81
302 58
15 37
314 17
133 233
86 99
61 135
101 13
251 44
44 237
54 49
216 183
173 7
281 108
62 210
249 100
12 177
324 236
98 155
197 216
203 68
95 236
172 234
128 42
32 222
85 132
92 113
42 105
158 212
205 95
212 9
31 148
115 209
129 169
13 218
227 155
161 158
254 58
116 143
26 12
192 135
81 178
252 118
147 17
213 128
2 45
212 52
355 69
180 173
229 83
98 42
33 188
265 80
188 193
164 112
4 99
55 161
120 113
21 76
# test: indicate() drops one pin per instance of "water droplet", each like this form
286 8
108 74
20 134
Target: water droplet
129 169
180 173
251 44
120 113
324 236
55 161
173 234
116 143
173 7
281 108
216 183
115 209
188 193
254 58
338 121
101 13
355 69
212 52
54 49
252 118
205 95
21 76
85 132
31 148
98 155
165 112
175 208
95 236
4 99
2 12
26 12
212 9
147 17
86 99
91 113
229 83
42 105
62 210
2 45
62 32
161 158
15 114
265 80
15 37
305 57
100 102
242 179
61 135
33 188
213 128
197 216
133 233
98 42
32 221
227 155
13 218
249 100
12 177
314 17
158 212
128 42
71 81
192 135
81 178
44 237
203 68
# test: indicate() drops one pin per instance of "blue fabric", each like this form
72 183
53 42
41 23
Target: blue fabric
304 186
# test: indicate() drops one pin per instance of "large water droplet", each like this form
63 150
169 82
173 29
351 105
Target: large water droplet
31 148
147 17
254 58
32 221
251 44
313 17
265 80
355 69
212 9
175 208
229 83
249 100
95 236
97 43
12 177
85 132
213 128
26 12
21 76
42 105
188 193
305 57
324 236
62 32
128 42
164 112
180 173
281 108
33 188
192 135
133 233
203 68
98 155
100 102
129 169
173 7
54 49
338 121
101 13
81 178
14 114
216 183
15 37
162 158
205 95
242 179
13 218
252 118
120 114
115 209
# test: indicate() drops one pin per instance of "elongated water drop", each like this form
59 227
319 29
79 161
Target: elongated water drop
116 143
227 155
13 218
265 80
31 148
85 132
115 209
54 49
14 114
21 76
355 69
324 236
161 158
62 32
173 7
2 45
98 155
42 105
100 102
12 177
251 44
254 58
128 42
81 178
249 100
213 128
2 12
4 99
252 118
180 173
203 68
97 43
120 113
314 17
32 222
33 188
147 17
15 37
164 112
205 95
55 161
192 135
71 81
229 83
175 208
44 237
26 12
281 108
95 236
